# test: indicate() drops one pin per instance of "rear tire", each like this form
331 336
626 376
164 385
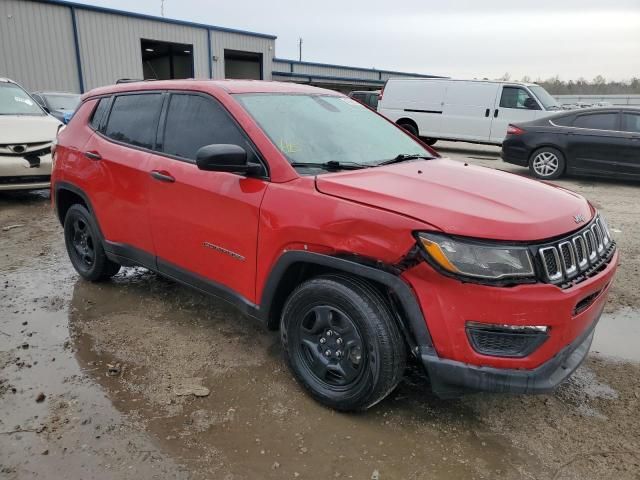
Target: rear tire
341 342
409 127
547 163
429 141
84 246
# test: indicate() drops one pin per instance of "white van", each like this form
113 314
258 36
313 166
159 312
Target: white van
477 111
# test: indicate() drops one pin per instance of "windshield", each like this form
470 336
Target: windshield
548 102
62 102
323 128
15 101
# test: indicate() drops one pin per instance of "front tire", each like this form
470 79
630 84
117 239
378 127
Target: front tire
341 342
547 163
429 141
84 246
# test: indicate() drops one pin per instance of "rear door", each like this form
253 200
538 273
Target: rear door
630 162
205 224
120 148
596 144
514 104
467 110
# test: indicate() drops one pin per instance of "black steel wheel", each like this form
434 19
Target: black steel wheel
341 342
84 246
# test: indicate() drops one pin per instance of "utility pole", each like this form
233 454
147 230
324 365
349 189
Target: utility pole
300 47
162 8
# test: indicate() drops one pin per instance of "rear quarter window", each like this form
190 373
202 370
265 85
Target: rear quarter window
98 113
134 119
565 121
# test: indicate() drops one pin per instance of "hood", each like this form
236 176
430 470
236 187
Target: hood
464 200
27 129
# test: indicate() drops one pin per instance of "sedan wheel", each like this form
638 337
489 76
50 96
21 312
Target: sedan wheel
547 163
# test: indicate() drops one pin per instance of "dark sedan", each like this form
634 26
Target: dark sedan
594 141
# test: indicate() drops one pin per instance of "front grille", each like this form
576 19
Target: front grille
570 260
25 179
504 341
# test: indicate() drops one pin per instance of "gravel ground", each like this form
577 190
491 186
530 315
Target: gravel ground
119 365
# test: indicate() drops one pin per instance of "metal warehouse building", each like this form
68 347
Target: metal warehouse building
55 45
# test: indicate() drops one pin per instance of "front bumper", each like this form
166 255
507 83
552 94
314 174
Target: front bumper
450 379
455 366
17 174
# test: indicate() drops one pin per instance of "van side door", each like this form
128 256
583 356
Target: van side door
514 104
467 109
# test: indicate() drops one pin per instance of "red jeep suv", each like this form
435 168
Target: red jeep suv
322 219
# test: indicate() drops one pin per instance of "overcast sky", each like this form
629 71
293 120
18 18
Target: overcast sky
464 38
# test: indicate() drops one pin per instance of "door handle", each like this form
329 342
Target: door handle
162 176
495 113
486 112
93 155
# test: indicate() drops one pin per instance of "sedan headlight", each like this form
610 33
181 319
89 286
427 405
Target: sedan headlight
492 261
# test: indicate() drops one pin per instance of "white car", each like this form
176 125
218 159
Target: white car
476 111
26 135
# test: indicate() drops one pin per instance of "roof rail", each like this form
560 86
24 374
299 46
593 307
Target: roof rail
133 80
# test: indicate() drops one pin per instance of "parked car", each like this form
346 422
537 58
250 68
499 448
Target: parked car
475 111
26 134
366 97
60 105
319 217
597 141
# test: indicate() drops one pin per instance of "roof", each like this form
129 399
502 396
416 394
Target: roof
508 82
113 11
229 86
361 69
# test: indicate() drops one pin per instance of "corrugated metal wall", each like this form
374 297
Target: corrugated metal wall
234 41
36 46
110 45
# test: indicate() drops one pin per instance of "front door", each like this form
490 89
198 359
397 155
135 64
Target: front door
515 105
630 162
205 224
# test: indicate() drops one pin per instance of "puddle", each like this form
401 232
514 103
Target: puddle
257 421
618 335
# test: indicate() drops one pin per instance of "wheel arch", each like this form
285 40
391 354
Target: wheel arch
65 195
294 267
408 120
547 144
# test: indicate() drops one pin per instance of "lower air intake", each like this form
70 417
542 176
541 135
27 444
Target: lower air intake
504 340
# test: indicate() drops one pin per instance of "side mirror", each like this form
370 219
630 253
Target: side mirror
224 158
531 104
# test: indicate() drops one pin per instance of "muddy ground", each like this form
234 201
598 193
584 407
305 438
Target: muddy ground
93 381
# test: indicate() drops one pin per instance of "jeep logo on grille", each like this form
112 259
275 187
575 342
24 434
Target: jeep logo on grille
579 218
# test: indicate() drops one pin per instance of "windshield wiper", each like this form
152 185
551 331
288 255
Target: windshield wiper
331 165
403 157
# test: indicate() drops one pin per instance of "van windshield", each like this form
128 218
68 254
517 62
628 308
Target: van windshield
15 101
61 102
315 129
548 102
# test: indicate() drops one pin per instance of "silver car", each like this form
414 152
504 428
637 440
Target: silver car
26 135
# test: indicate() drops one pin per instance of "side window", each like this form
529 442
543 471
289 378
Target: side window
372 100
516 97
38 99
359 97
194 121
631 122
134 119
597 121
98 113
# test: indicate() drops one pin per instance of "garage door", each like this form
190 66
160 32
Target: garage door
239 64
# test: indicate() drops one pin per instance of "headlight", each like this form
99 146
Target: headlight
475 259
